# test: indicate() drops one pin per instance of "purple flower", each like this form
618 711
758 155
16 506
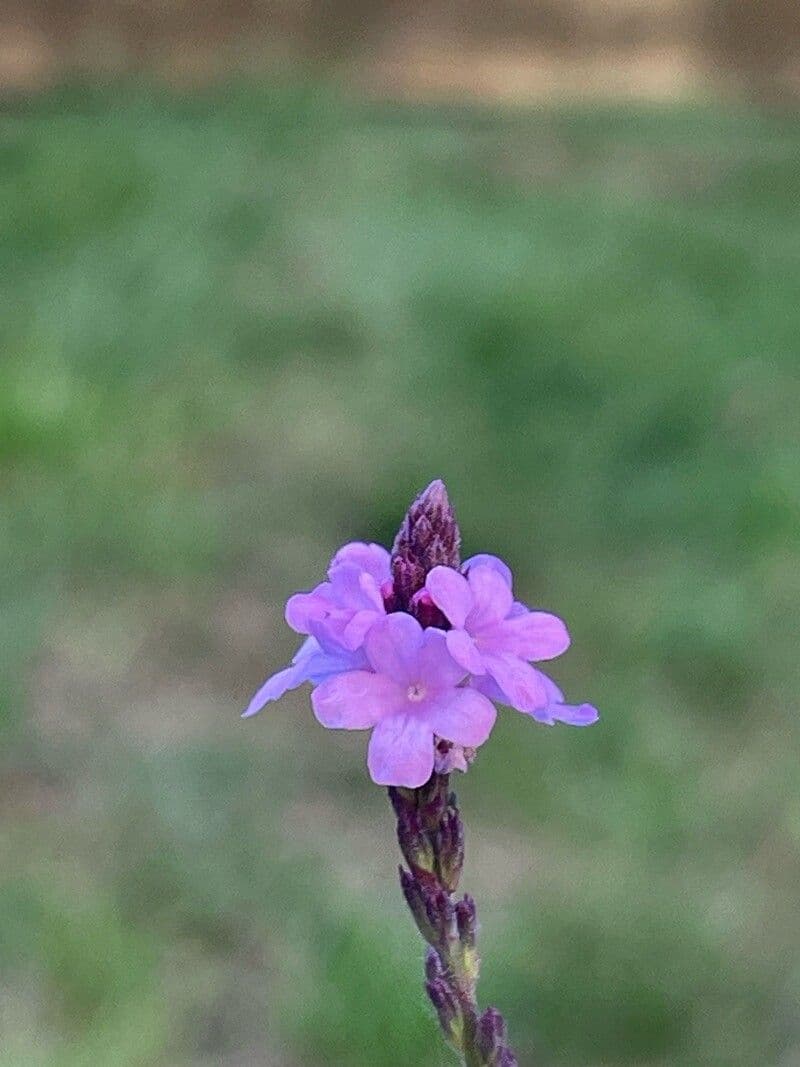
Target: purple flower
317 659
423 678
346 606
493 637
337 613
412 694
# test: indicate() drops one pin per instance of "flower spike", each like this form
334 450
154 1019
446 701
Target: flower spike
418 648
428 537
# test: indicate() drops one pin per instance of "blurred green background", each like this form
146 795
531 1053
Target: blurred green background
244 324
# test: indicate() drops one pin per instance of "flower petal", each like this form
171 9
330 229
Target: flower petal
436 667
401 751
536 635
355 700
371 589
492 596
359 626
571 714
519 682
353 589
483 559
484 683
372 558
462 648
304 608
393 646
554 694
451 594
324 658
463 716
576 714
276 685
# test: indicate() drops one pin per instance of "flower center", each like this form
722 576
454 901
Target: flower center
416 693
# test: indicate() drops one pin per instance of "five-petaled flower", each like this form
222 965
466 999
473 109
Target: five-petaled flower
410 695
493 637
422 679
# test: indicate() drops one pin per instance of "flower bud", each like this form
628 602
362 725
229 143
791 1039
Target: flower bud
467 926
414 842
467 921
450 848
440 914
433 965
418 905
491 1036
447 1008
428 537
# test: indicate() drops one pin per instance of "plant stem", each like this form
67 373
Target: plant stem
431 837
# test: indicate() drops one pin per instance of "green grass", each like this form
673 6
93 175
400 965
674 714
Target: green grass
242 326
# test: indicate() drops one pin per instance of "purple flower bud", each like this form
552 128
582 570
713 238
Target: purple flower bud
433 965
467 921
449 846
451 855
414 842
440 913
493 1023
446 1004
428 537
491 1035
419 906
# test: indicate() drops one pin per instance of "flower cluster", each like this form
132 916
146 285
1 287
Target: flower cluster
418 648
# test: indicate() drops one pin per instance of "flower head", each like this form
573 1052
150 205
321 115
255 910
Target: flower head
337 614
410 694
416 650
428 537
